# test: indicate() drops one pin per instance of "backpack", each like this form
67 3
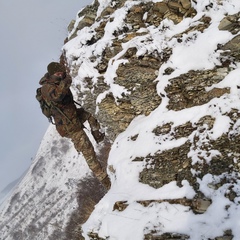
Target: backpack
45 107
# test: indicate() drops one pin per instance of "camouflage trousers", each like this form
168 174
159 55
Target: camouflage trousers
86 116
83 144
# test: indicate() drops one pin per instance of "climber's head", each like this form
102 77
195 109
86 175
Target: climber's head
55 68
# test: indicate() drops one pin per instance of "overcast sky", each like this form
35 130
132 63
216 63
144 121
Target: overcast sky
32 35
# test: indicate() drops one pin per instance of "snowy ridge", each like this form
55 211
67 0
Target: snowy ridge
42 202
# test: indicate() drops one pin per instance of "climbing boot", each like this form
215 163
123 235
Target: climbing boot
98 136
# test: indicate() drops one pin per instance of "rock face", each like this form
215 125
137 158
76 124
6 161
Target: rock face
137 72
142 54
163 80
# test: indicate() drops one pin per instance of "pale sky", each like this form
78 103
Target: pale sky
32 35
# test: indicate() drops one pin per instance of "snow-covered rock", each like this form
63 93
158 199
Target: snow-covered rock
163 79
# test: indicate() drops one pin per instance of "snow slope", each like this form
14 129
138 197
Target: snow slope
43 201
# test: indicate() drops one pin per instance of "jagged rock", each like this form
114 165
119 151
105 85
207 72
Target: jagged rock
117 117
89 14
71 25
142 70
161 130
178 166
94 236
110 9
230 23
201 205
198 205
135 15
166 236
161 7
189 89
227 236
173 10
232 48
154 13
224 238
160 171
137 76
185 4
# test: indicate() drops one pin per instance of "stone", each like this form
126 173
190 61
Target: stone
188 89
174 6
161 130
166 167
201 205
162 7
198 205
89 14
116 117
230 23
185 3
232 48
71 25
225 24
227 236
166 236
106 12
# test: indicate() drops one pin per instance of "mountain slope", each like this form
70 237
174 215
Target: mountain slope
162 77
43 201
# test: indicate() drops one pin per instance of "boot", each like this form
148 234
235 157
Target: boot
98 136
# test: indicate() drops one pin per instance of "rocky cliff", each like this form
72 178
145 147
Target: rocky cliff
162 77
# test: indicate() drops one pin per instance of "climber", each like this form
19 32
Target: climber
69 119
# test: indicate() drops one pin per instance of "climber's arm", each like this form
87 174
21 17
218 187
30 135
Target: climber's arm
55 92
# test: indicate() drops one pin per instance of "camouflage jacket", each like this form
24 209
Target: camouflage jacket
56 91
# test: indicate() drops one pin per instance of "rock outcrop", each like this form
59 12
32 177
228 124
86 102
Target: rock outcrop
145 67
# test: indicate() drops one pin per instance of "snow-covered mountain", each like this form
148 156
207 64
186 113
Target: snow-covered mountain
7 190
163 79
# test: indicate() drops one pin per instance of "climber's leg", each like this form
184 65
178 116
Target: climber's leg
84 145
94 125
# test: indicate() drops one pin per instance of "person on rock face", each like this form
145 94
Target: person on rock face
69 119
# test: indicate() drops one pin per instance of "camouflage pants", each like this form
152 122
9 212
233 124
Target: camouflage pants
84 145
86 116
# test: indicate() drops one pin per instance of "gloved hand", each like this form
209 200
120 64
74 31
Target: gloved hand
98 136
